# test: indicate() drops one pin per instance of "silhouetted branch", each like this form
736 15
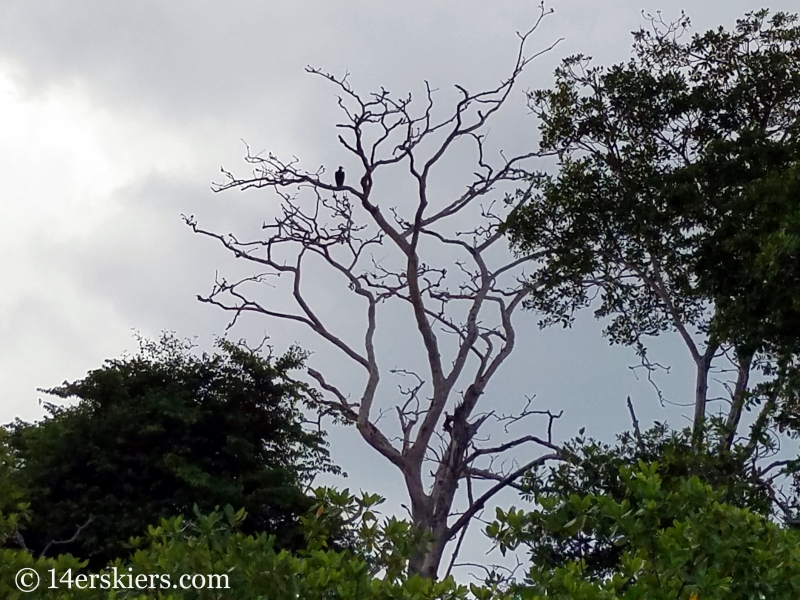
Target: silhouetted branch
461 287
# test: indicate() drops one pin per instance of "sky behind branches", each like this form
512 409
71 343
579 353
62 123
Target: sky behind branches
115 118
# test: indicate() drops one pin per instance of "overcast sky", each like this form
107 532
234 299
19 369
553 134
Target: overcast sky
115 117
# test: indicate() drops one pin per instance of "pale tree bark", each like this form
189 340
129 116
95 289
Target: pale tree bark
462 311
705 350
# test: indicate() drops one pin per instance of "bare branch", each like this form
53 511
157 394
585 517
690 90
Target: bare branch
74 537
480 503
461 287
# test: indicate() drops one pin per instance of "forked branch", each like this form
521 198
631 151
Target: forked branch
461 288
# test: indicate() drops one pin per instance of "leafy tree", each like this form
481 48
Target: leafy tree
596 469
14 514
232 564
154 434
679 540
675 209
376 569
675 205
13 508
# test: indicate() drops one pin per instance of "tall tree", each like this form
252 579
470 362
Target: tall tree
154 434
434 261
675 208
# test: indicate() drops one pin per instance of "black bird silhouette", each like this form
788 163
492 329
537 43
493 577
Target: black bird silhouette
339 178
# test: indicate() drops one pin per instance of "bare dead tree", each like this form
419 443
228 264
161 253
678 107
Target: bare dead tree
462 286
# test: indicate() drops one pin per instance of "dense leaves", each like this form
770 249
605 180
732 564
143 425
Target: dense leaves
678 177
376 569
209 556
155 434
675 206
677 539
594 468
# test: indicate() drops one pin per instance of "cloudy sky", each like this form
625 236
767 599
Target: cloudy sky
115 118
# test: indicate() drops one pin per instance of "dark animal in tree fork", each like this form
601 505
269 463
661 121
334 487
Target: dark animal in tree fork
339 178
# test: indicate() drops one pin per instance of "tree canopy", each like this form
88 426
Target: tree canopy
596 469
674 207
155 434
676 536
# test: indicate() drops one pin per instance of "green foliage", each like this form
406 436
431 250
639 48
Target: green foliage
14 515
676 198
595 469
13 508
677 539
212 544
385 545
12 561
251 566
154 434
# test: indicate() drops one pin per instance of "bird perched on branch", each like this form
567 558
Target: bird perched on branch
339 178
